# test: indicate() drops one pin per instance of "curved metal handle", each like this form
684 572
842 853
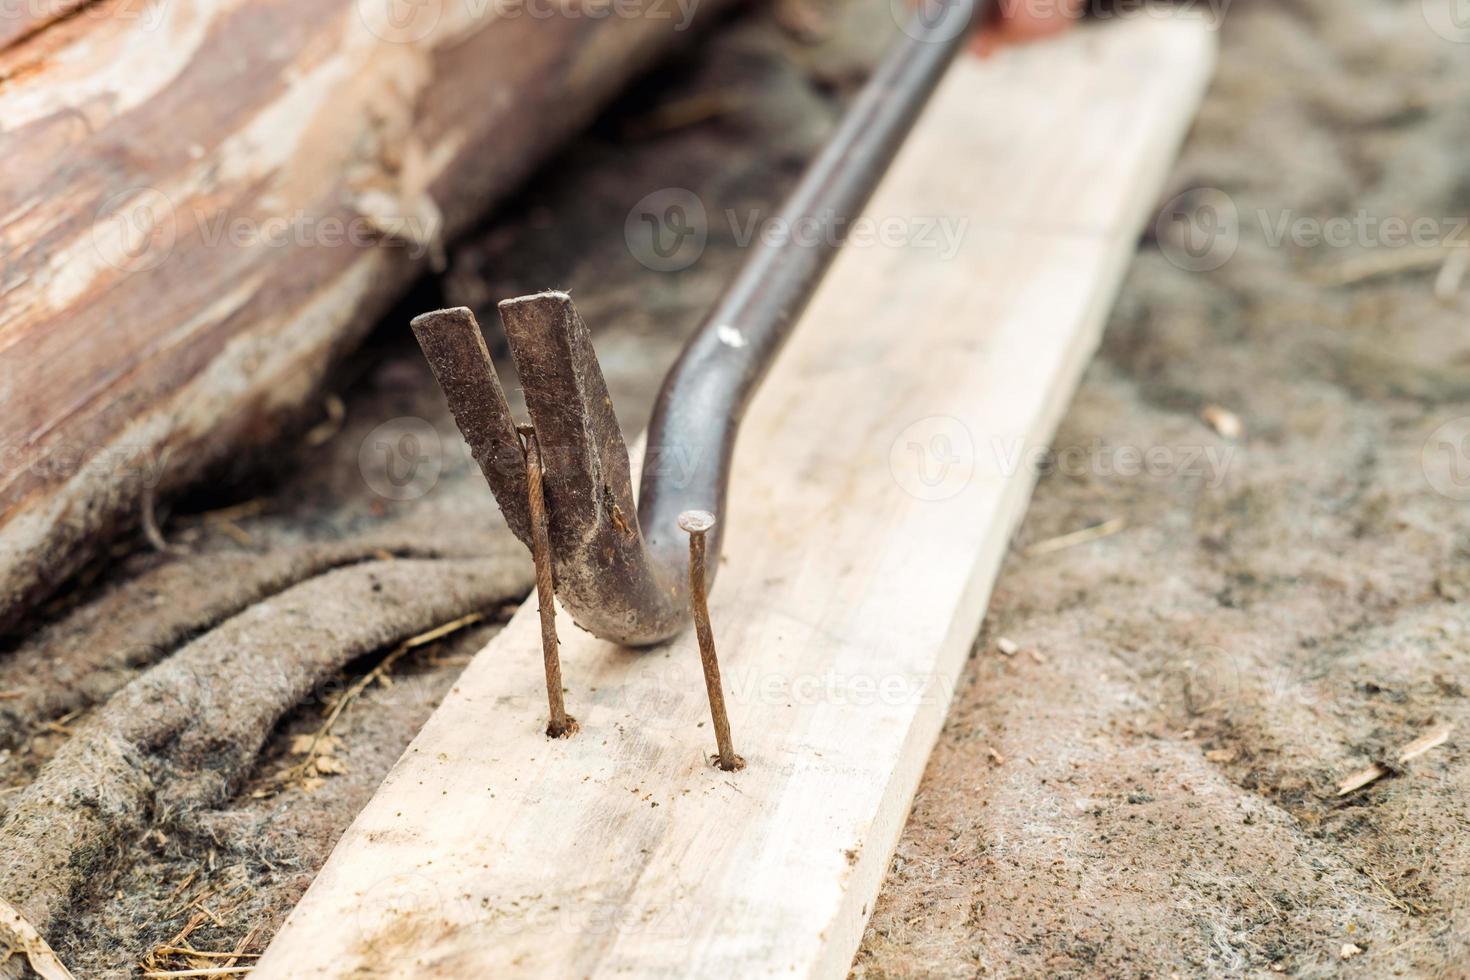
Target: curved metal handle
705 394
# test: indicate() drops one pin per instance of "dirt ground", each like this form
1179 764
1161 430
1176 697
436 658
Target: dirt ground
1146 786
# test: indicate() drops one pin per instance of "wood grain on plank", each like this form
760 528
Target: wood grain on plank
875 488
204 201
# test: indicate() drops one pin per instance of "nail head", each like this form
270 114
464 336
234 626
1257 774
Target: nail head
696 521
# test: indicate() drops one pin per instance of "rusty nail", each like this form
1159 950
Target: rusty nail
697 523
562 724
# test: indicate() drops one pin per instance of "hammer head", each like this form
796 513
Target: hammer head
605 575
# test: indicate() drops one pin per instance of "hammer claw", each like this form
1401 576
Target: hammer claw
456 351
604 575
586 460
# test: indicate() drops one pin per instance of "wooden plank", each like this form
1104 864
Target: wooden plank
205 201
873 499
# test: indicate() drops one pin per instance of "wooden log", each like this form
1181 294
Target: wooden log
878 478
204 201
23 20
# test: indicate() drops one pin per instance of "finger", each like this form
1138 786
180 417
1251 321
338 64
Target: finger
1018 21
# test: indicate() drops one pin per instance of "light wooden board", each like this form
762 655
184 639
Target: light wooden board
873 498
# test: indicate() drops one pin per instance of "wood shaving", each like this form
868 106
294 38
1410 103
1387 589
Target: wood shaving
1226 423
324 431
1411 751
1452 275
21 937
1376 263
1072 539
306 744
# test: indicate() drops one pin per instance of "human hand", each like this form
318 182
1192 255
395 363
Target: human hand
1016 21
